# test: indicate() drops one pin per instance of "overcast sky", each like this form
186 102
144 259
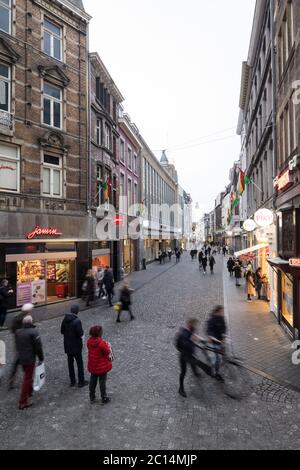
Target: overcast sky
178 65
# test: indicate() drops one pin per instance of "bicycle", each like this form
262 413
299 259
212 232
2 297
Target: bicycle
234 376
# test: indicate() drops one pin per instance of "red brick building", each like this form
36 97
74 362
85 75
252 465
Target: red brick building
43 148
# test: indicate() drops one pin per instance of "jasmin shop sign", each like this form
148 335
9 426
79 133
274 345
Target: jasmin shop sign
38 231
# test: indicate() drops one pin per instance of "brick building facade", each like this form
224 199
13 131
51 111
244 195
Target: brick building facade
44 226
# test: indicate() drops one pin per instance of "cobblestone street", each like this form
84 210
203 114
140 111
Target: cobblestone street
146 411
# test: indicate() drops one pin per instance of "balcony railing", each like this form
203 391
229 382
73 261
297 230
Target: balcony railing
6 122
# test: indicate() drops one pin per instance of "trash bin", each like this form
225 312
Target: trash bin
61 290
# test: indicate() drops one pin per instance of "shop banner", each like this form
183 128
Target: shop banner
38 289
24 294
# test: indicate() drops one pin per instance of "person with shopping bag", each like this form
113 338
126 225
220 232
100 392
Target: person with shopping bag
29 347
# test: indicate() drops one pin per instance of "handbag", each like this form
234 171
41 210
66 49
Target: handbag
111 356
39 377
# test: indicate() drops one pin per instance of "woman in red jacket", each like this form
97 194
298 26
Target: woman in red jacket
99 362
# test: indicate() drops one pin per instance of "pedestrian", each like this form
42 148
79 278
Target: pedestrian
99 363
109 283
125 301
5 293
185 344
250 285
99 279
170 254
224 250
71 329
259 280
237 273
17 324
204 264
212 263
216 331
178 256
160 256
230 266
209 251
192 255
29 346
164 256
200 258
90 287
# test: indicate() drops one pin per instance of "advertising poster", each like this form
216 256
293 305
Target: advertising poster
38 290
24 294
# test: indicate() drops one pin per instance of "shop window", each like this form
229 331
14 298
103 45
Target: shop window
287 300
52 176
5 15
5 88
52 40
9 168
52 106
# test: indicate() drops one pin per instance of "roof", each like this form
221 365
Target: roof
77 3
164 160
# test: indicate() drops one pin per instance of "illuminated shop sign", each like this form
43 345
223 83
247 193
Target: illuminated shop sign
249 225
264 217
284 181
295 262
38 231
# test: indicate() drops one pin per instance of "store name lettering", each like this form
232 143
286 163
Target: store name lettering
43 231
295 262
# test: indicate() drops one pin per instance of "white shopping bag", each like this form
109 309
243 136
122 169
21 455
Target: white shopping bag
39 377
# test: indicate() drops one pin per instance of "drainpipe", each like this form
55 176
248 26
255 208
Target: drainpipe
274 88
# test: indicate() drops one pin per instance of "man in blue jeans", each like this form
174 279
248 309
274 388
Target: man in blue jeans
71 329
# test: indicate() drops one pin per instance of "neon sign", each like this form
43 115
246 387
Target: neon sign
38 231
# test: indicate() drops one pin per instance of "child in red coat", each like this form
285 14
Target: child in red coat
99 362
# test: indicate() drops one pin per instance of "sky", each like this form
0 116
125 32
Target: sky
178 65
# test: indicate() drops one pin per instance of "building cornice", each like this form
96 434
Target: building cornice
105 76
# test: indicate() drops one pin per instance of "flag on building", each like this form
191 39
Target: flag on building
106 188
244 180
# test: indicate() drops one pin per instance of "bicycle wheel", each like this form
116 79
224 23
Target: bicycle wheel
237 382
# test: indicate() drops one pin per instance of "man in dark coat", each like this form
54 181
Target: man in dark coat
204 264
29 346
5 293
186 347
212 263
238 273
109 283
71 328
230 266
125 301
216 331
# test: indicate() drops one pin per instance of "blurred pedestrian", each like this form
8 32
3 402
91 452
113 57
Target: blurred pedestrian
230 266
29 346
178 256
204 264
99 363
258 278
237 273
99 279
17 324
125 301
71 329
212 263
216 331
90 287
250 285
5 293
185 344
224 250
170 254
109 283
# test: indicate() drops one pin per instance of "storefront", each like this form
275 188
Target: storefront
101 255
129 256
41 273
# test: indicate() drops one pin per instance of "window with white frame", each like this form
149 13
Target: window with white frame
129 160
5 15
122 151
5 87
99 177
9 168
52 114
107 136
52 176
52 39
98 133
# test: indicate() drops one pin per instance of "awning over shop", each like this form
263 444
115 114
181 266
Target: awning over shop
252 249
283 265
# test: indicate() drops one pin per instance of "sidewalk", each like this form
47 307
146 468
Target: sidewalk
137 280
257 337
